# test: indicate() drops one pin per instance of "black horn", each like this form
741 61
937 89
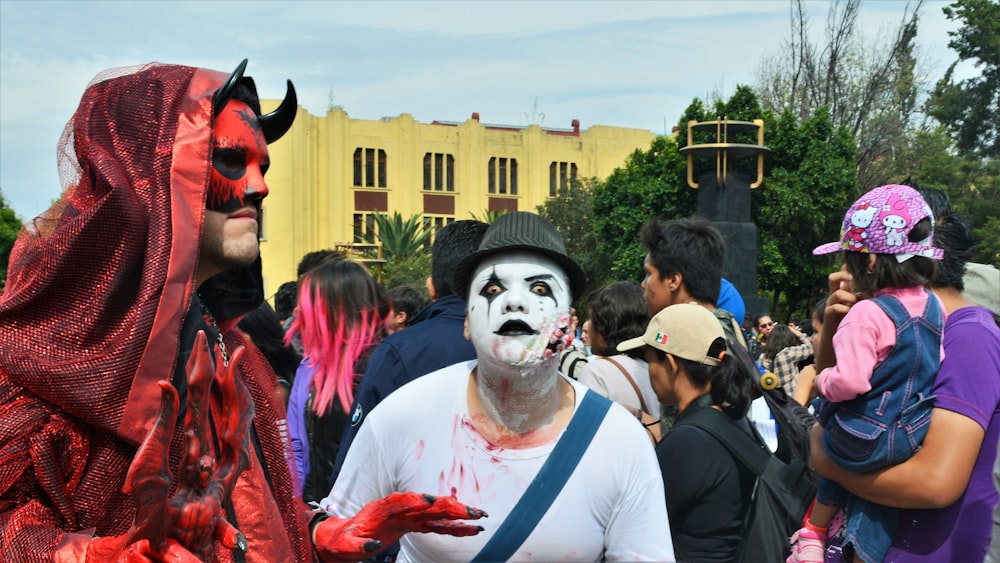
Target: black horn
225 93
277 123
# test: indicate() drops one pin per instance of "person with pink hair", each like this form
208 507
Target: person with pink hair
342 315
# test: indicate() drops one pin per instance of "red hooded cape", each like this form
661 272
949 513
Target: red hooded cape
98 289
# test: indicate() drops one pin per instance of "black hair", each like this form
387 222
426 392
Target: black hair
819 310
889 272
407 299
246 92
312 259
691 247
951 234
804 326
285 299
730 379
452 243
757 318
618 312
781 337
264 329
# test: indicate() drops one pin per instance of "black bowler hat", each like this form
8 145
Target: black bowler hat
521 230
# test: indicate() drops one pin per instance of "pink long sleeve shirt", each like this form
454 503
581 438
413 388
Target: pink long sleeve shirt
863 341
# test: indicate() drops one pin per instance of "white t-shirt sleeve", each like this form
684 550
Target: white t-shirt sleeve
638 529
359 482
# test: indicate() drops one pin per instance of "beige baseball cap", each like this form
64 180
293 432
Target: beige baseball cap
982 285
684 330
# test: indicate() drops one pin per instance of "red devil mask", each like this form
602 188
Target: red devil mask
239 159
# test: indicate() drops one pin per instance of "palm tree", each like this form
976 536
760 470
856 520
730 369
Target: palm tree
399 238
488 216
405 248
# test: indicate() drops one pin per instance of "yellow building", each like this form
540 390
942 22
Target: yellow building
330 174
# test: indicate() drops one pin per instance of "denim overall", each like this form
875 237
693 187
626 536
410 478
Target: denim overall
886 425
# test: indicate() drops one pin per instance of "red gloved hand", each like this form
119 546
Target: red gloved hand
114 550
382 522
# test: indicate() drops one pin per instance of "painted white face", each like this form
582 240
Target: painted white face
518 309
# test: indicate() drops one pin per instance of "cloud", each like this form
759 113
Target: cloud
629 63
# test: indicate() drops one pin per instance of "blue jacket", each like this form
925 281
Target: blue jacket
435 340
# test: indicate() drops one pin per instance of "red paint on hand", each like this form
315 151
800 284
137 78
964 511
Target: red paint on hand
382 522
115 550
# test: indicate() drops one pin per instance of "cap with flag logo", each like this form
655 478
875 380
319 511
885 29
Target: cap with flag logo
685 330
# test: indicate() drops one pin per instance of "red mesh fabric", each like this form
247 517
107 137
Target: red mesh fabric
90 318
272 431
85 276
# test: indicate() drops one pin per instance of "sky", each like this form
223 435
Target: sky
625 63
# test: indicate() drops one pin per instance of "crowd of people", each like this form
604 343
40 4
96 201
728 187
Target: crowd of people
155 407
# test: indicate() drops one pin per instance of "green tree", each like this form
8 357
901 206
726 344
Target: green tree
571 211
962 155
810 179
405 248
410 270
650 183
969 108
10 226
977 198
489 216
810 182
932 160
400 237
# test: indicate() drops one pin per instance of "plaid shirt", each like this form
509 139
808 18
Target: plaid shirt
785 364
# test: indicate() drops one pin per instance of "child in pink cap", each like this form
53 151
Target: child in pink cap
876 400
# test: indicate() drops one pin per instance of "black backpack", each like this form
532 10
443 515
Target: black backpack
785 490
781 494
794 421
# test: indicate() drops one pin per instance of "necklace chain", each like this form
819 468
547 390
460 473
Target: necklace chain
222 343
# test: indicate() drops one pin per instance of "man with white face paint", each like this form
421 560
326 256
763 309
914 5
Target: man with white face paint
519 295
488 431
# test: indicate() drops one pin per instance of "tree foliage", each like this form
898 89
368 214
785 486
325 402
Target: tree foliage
810 182
405 248
399 238
979 202
10 226
969 109
410 270
488 217
650 183
869 87
571 212
972 183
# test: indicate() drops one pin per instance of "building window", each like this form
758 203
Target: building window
560 173
502 176
364 226
435 223
366 162
439 172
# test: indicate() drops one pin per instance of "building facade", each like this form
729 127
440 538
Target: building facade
331 174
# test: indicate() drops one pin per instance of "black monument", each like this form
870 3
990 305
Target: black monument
724 193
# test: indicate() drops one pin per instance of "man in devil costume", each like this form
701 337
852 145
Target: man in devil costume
123 436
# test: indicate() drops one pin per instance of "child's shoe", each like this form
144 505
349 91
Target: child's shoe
808 546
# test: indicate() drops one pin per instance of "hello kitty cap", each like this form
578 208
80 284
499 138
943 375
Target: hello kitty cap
879 223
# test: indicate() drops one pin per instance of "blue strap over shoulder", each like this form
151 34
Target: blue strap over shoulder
549 481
